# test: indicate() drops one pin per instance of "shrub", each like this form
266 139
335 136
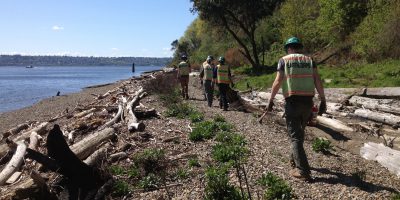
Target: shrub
208 129
219 118
133 172
218 186
321 145
277 187
149 182
151 160
120 188
179 110
225 152
196 116
171 96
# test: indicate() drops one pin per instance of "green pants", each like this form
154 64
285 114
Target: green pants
298 111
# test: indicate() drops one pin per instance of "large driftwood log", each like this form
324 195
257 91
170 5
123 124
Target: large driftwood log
14 163
386 156
96 156
116 118
133 124
333 124
384 105
378 116
88 145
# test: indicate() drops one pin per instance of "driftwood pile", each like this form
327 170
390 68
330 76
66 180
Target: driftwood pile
375 112
32 157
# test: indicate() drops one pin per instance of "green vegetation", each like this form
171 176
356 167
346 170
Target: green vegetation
182 173
196 116
277 188
208 129
193 162
120 188
150 160
218 186
149 182
321 145
396 196
116 170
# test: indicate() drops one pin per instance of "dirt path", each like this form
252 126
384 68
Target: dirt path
334 175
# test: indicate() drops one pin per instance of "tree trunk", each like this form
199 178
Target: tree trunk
378 117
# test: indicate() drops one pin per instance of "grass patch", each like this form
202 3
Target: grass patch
277 188
116 170
208 129
232 147
196 116
321 145
150 160
218 186
120 188
179 110
396 196
182 173
193 162
149 182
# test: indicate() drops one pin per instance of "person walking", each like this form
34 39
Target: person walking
224 78
206 77
183 76
298 76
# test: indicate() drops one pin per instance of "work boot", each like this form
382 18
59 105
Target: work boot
297 173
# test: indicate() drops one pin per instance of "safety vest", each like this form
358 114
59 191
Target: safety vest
183 68
298 77
208 71
222 74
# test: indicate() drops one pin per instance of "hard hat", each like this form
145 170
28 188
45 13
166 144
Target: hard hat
221 59
209 58
293 41
184 57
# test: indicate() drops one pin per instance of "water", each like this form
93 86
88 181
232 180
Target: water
21 86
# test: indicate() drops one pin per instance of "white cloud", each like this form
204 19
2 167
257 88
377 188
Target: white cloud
57 28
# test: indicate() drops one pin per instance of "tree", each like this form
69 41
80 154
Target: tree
240 18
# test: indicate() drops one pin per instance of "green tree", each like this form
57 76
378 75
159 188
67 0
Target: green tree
240 18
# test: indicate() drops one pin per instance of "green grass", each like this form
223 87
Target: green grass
116 170
208 129
381 74
120 188
150 160
149 182
218 186
193 162
321 145
277 188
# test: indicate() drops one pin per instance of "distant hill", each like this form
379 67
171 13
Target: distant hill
18 60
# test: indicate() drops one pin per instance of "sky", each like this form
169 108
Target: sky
112 28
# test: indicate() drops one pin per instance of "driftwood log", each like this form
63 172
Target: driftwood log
378 116
116 118
386 156
384 105
14 163
133 124
333 124
89 144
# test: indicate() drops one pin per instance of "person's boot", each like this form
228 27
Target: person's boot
297 173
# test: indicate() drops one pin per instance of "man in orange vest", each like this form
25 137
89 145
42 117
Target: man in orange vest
183 76
206 76
224 78
298 76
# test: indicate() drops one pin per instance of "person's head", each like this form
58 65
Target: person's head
221 60
184 57
209 59
293 45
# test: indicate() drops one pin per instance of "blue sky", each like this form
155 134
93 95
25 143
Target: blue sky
92 27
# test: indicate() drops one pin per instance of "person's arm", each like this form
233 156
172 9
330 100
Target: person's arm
276 85
201 72
318 84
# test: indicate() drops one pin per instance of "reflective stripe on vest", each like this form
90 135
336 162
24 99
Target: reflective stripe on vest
298 78
223 74
208 71
183 68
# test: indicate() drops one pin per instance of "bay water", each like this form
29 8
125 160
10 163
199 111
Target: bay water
21 86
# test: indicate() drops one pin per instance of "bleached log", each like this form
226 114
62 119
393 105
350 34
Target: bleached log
384 105
386 156
88 145
18 129
133 124
14 163
333 124
33 141
378 116
83 113
116 118
40 129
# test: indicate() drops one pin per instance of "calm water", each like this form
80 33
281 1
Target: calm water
21 87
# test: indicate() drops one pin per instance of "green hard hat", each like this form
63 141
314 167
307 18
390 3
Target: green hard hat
292 41
210 57
221 59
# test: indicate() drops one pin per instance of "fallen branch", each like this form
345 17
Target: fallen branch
14 163
133 124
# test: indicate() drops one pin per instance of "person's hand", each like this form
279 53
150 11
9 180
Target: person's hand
270 106
322 107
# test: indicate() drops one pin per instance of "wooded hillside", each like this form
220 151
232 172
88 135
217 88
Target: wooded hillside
335 32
